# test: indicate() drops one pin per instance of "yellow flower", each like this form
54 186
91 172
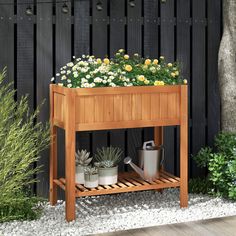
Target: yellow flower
162 58
128 68
155 61
146 81
173 74
147 62
158 82
121 50
106 61
126 56
169 64
185 81
141 78
176 73
99 61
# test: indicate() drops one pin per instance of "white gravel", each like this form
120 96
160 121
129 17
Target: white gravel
109 213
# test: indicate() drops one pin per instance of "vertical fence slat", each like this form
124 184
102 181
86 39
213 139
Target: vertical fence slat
62 56
117 41
134 45
198 80
167 50
82 46
25 52
43 74
151 34
183 53
7 39
213 96
117 25
151 41
100 49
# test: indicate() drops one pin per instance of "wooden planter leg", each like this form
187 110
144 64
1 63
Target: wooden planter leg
53 165
184 148
158 139
70 157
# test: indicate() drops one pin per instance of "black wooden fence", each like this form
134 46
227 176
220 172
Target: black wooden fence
34 47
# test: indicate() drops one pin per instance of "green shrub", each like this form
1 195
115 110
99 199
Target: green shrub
221 165
200 185
21 141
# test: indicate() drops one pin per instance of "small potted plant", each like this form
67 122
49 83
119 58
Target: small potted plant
90 177
107 159
82 160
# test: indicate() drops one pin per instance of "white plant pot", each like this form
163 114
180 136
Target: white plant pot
108 176
79 174
91 181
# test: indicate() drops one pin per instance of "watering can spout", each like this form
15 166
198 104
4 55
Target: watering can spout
128 161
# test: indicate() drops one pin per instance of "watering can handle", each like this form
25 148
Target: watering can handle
148 142
163 156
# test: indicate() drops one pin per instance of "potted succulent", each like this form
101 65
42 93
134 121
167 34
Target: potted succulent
82 160
107 159
90 177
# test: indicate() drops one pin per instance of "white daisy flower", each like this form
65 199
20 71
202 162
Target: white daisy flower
57 74
88 76
68 80
69 85
63 72
52 79
63 77
70 64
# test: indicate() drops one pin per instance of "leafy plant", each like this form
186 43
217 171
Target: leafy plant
221 165
122 70
88 170
108 157
20 208
200 185
21 141
82 158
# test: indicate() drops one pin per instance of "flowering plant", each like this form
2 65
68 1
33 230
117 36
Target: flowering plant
122 70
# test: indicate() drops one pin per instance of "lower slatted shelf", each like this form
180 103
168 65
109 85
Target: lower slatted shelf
127 182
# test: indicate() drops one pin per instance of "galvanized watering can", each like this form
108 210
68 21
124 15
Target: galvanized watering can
151 158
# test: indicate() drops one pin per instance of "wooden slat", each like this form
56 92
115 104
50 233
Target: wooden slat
134 45
168 49
25 53
117 41
62 56
44 72
213 42
82 46
127 107
198 81
183 55
7 39
151 32
108 108
128 182
146 107
117 25
99 49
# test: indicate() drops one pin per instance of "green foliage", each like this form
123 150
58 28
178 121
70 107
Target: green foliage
21 141
200 185
122 70
20 208
108 157
221 166
203 156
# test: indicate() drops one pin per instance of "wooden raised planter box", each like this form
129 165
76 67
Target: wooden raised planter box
86 109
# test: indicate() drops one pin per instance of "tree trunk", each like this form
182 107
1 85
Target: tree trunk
227 67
